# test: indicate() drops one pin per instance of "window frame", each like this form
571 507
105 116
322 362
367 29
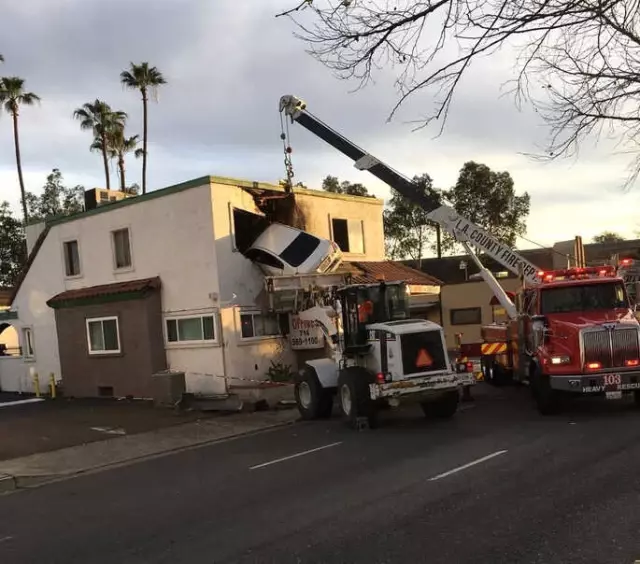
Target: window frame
198 343
102 319
114 249
66 242
254 338
25 342
452 311
349 223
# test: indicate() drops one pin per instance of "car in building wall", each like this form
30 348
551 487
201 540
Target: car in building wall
283 250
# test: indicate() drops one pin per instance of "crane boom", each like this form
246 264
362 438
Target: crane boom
453 223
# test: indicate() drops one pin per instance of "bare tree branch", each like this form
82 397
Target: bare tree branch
577 61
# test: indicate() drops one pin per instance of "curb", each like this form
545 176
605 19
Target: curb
15 483
7 483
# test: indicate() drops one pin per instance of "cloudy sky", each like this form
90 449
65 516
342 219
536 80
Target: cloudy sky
227 63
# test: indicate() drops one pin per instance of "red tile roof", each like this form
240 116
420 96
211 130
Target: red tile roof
127 287
372 271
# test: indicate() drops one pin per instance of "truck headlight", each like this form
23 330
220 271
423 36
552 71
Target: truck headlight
560 360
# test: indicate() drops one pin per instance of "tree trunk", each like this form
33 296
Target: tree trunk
16 141
144 141
438 241
121 167
105 161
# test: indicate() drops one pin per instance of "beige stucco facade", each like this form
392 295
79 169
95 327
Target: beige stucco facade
321 208
473 294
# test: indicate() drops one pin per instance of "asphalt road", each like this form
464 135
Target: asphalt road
496 484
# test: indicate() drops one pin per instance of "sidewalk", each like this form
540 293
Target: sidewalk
43 467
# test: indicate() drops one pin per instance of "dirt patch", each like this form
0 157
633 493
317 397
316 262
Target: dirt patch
53 424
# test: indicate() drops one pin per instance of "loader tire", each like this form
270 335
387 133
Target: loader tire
444 407
313 401
355 399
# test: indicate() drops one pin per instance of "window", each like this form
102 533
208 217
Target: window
264 258
592 297
121 248
27 343
191 329
103 335
348 234
300 249
466 316
71 258
254 325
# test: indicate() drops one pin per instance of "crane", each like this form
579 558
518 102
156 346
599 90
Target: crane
463 230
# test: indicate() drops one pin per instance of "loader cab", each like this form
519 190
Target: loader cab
365 304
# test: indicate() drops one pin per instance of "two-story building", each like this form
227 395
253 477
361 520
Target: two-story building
123 290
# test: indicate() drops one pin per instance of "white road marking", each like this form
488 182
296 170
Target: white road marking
293 456
468 465
4 539
20 402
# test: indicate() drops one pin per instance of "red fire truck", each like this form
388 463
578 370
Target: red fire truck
575 334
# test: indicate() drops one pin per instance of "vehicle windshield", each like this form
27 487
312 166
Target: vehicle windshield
397 306
300 249
589 297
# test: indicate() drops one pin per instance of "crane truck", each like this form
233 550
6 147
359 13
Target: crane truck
569 332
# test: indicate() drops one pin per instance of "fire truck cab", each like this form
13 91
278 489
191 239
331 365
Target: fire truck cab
576 335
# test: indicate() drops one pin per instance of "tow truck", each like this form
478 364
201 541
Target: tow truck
570 332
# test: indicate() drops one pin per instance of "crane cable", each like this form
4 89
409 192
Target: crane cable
288 165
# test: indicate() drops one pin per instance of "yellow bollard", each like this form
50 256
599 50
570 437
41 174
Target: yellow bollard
36 383
52 385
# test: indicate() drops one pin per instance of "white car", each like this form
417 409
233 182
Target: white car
282 250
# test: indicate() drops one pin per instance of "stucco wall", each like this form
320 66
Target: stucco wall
241 289
185 237
319 208
170 236
467 295
129 372
14 376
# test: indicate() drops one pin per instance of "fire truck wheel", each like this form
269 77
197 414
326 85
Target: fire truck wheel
547 399
444 407
354 397
313 401
487 370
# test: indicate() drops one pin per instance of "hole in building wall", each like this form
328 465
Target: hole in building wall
277 207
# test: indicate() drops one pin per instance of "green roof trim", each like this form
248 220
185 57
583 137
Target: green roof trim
203 181
8 315
99 300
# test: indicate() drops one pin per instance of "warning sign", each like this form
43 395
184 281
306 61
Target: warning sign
424 359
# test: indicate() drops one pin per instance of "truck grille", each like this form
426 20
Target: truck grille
415 345
611 348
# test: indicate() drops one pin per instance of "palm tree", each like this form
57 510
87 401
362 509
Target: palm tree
117 147
13 95
100 119
143 77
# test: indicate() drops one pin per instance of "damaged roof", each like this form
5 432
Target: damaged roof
116 291
368 272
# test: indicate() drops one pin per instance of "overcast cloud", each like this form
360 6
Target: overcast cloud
227 63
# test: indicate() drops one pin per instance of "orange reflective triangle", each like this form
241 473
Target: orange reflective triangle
424 359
